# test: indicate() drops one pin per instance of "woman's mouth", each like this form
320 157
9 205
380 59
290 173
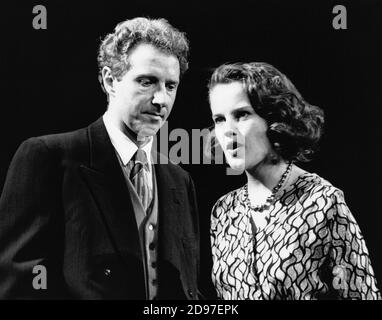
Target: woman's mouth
233 148
233 145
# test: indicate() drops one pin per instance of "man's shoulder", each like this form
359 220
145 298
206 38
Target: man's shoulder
63 138
65 145
59 141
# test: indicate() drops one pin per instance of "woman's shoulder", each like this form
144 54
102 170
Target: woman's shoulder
316 188
313 183
314 196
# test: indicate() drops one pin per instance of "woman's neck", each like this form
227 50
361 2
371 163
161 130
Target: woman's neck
266 175
262 179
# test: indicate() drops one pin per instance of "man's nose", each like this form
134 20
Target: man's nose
159 98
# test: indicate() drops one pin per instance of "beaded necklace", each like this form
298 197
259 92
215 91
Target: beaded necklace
271 198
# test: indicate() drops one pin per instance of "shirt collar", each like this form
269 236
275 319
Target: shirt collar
124 146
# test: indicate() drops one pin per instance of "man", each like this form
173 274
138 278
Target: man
88 214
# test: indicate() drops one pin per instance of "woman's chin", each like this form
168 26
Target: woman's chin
236 164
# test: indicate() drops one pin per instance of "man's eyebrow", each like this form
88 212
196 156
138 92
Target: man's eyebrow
149 76
173 81
154 77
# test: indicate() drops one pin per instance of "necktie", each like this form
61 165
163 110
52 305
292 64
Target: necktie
140 176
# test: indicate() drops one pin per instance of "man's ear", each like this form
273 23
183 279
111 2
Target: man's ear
108 80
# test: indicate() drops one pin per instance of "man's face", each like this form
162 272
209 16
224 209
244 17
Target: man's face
143 98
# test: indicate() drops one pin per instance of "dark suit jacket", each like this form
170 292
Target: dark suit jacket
65 205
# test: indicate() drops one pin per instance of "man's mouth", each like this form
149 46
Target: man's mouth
156 115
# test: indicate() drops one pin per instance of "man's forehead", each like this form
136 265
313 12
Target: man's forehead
148 59
155 70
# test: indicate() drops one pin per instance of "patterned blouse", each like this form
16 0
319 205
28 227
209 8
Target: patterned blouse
311 248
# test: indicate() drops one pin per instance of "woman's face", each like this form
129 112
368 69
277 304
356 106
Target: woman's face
240 131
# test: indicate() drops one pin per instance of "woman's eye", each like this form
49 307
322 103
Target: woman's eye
243 115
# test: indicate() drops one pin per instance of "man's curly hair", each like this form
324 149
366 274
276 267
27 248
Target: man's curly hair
292 122
115 47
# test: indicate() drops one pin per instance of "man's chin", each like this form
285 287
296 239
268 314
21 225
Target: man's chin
149 131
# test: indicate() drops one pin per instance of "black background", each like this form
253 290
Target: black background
50 85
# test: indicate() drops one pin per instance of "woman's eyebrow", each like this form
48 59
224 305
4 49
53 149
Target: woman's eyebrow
245 107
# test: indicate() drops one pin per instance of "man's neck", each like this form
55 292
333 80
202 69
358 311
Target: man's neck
139 140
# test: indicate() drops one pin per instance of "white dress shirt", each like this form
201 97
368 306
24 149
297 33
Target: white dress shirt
125 147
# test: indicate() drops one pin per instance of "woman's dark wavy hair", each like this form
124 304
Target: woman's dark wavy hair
116 47
292 122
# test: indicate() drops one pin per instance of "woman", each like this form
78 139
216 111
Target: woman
287 233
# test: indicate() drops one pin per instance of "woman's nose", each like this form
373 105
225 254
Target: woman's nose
230 129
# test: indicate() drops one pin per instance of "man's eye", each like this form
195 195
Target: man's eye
171 87
145 82
218 120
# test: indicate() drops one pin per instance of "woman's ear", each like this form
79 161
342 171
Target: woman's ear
274 156
274 137
108 80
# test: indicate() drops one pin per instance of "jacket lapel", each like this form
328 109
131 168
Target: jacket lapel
107 184
170 227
